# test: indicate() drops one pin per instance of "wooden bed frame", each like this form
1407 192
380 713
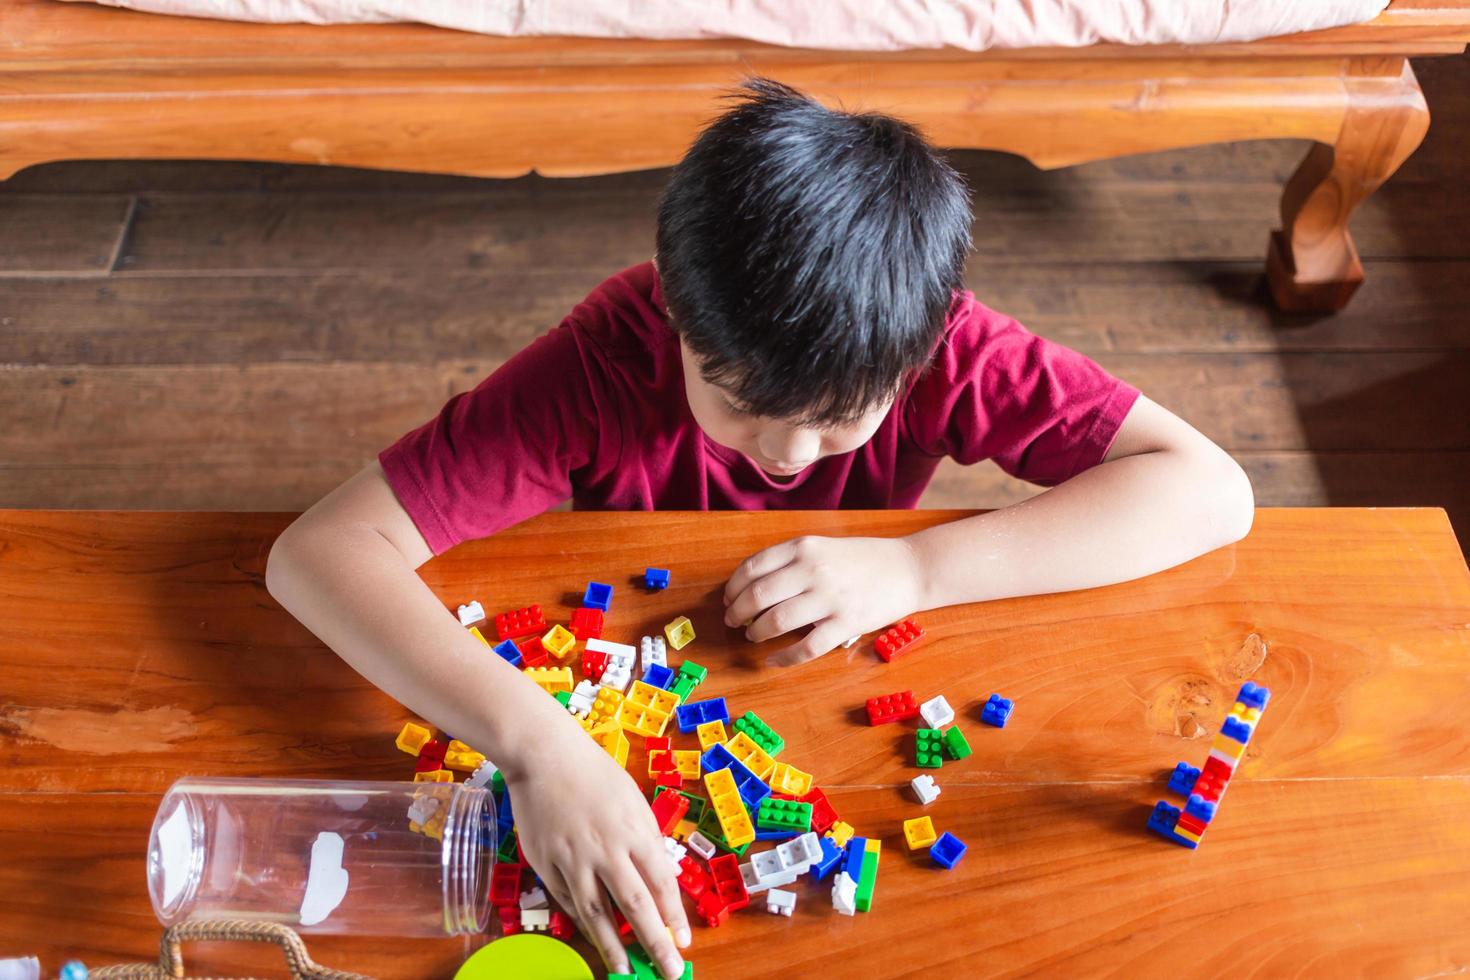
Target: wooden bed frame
83 81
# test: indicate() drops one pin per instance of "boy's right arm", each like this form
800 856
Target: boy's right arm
347 570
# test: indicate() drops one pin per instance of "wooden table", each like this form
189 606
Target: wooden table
139 647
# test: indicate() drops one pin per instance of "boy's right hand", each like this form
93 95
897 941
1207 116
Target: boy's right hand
589 833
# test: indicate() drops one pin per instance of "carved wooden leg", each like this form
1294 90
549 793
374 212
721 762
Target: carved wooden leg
1312 264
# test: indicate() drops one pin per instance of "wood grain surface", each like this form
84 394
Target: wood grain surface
139 647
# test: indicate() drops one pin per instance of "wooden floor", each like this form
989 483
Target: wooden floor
244 336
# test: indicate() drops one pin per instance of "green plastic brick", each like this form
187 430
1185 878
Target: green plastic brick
955 745
563 698
683 687
709 826
643 968
760 733
784 815
867 882
696 803
694 671
507 852
497 784
929 748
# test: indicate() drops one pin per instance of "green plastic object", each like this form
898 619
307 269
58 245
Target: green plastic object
643 968
760 733
563 698
525 956
867 881
784 815
929 748
693 670
683 687
507 852
955 744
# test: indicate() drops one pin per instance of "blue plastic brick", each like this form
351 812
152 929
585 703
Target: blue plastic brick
1200 807
947 850
1236 729
750 786
656 578
716 757
997 711
775 834
657 675
598 596
504 816
1182 781
827 863
690 716
1253 695
509 652
852 860
1162 822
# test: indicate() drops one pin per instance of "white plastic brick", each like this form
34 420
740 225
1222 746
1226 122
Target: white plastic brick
780 902
470 613
534 898
422 810
653 650
614 651
755 883
701 845
535 920
936 712
925 789
675 849
844 894
800 853
582 697
616 677
482 776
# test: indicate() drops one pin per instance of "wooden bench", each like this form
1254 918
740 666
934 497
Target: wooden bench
83 81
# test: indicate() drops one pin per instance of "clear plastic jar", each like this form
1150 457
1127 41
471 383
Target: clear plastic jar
325 856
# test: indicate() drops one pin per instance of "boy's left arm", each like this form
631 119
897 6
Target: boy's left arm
1162 495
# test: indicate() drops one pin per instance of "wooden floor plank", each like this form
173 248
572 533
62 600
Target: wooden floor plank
58 233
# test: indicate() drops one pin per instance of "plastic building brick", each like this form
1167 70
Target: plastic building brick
593 664
1183 778
519 622
657 743
725 878
508 651
510 920
582 698
661 761
475 632
711 733
680 633
760 733
780 902
535 920
752 788
604 708
533 652
653 650
613 741
1201 808
470 613
955 745
1235 729
482 775
692 879
936 712
696 713
673 779
505 884
852 858
701 845
561 926
841 833
872 851
646 710
831 856
412 738
432 752
655 675
925 789
437 776
755 758
668 810
616 674
997 711
551 679
785 815
947 850
1253 695
899 706
534 898
800 854
919 832
586 623
844 894
656 578
461 758
823 816
598 596
693 671
789 779
620 658
929 748
559 642
898 640
687 762
735 825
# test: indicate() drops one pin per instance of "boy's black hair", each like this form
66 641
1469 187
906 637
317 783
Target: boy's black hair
808 256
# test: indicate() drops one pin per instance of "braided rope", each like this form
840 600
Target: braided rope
170 965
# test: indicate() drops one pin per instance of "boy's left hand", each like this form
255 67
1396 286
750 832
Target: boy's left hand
842 587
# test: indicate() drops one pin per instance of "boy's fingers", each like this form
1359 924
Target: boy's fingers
757 565
591 907
661 876
635 901
765 592
784 617
822 639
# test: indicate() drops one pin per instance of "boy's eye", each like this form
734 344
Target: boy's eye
734 409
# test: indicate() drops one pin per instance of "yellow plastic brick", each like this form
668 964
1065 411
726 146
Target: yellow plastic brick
559 642
646 709
687 762
743 747
610 736
551 679
683 829
711 733
840 833
729 808
604 707
475 631
919 832
790 780
461 757
437 776
680 633
413 738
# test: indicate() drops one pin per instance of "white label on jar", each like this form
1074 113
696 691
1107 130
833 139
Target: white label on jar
326 882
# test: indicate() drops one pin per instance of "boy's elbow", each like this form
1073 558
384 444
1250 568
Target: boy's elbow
1235 501
283 562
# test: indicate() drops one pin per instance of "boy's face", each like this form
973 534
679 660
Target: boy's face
780 448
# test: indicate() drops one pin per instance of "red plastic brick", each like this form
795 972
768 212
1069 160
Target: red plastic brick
587 624
520 622
510 919
823 816
505 886
726 880
673 780
668 810
1190 822
898 639
712 910
692 878
561 925
593 664
431 756
658 743
533 652
899 706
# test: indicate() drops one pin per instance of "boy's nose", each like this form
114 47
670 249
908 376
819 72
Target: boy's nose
790 448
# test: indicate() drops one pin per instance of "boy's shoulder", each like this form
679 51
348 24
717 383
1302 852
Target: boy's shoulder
624 315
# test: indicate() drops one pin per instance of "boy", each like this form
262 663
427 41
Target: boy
800 341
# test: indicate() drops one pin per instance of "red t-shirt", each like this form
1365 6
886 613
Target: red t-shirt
595 411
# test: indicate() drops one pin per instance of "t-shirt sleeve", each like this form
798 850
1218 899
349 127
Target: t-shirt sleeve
1041 411
507 450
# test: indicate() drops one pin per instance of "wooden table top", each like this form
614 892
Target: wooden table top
136 648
